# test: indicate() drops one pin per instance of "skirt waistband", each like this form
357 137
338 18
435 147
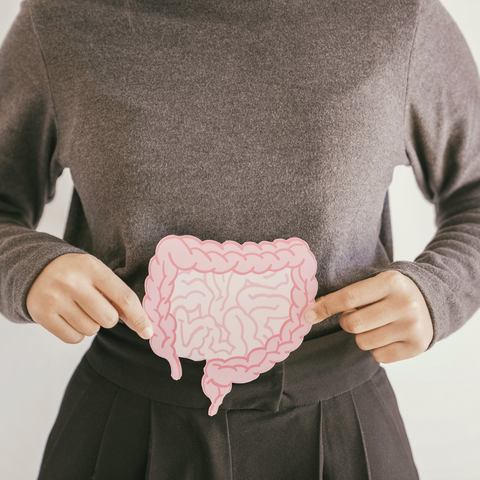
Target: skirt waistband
321 368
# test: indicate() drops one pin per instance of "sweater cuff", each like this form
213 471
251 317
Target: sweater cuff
22 269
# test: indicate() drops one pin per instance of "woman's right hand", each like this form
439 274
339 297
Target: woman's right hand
76 294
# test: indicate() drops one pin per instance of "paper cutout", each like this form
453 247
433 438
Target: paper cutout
239 307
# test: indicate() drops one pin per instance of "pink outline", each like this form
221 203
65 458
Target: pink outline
174 253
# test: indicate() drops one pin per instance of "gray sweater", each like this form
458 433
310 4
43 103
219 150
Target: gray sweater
243 120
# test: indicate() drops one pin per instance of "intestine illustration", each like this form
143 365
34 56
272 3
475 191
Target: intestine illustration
238 306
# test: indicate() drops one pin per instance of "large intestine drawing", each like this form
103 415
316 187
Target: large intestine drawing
239 307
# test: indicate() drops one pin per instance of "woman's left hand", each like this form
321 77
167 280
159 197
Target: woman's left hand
387 313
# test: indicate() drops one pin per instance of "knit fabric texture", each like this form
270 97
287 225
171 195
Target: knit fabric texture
242 120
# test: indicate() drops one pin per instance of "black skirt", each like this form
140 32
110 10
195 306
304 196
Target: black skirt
327 412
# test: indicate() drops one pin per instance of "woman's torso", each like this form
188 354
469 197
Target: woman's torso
230 120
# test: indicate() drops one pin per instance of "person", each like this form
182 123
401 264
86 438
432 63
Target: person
244 120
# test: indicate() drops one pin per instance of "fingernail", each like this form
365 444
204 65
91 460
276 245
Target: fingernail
310 316
147 332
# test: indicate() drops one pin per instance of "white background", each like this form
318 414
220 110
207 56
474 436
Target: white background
438 392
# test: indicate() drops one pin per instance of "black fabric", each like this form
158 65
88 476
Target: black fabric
105 430
321 368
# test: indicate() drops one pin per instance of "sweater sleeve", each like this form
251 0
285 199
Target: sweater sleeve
442 125
29 167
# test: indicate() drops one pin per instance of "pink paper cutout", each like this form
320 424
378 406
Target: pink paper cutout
239 307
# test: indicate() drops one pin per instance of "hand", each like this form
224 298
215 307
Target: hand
387 313
76 294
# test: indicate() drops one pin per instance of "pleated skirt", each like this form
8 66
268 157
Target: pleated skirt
327 412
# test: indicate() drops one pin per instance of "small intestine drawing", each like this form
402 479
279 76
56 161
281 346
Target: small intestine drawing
237 306
228 315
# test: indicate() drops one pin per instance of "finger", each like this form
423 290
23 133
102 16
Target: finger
124 299
96 306
76 317
352 296
382 336
59 327
370 317
394 352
